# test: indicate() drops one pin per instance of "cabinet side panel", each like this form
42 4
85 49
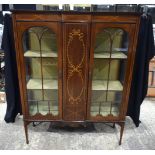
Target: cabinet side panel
18 59
75 71
134 34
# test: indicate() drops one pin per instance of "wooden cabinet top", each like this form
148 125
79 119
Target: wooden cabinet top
73 16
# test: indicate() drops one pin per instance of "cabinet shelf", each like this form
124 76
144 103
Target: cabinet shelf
106 55
43 109
102 85
104 110
47 84
31 53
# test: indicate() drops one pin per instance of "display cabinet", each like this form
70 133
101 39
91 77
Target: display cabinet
75 67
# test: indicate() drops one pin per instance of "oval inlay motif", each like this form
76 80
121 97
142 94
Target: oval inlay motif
75 89
75 55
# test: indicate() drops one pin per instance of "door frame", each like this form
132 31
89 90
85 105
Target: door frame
131 29
22 26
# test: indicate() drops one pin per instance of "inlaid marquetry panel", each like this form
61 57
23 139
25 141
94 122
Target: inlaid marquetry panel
75 62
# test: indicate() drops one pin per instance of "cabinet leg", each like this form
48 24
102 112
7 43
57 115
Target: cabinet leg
26 131
33 124
121 132
113 125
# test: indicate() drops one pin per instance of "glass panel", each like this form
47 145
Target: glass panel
40 54
110 55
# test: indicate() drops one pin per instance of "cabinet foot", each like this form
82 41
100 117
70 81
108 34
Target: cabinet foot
121 132
26 131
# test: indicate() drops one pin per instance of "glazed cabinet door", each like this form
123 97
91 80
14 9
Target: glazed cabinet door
41 68
110 70
76 43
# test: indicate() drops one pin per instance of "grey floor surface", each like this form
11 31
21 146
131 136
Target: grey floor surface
103 137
